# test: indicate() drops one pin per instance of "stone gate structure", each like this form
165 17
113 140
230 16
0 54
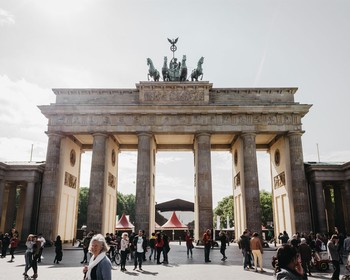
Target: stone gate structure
157 116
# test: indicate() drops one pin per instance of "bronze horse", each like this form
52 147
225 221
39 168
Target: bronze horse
198 71
152 72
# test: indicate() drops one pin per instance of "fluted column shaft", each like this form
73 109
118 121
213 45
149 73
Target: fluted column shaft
28 209
143 181
48 213
97 183
299 186
321 208
204 193
251 182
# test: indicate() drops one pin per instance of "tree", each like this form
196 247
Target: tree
83 205
266 207
126 204
224 209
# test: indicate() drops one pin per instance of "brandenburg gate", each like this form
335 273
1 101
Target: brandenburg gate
173 115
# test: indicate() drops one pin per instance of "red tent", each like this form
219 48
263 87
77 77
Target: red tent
174 223
124 223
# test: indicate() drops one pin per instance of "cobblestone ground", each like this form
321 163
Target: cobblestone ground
179 267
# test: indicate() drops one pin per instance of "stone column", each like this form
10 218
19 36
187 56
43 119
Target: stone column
347 205
321 208
48 213
329 209
28 210
143 181
11 208
97 183
338 208
251 182
299 187
204 196
2 192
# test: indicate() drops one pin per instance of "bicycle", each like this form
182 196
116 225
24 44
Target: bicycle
114 255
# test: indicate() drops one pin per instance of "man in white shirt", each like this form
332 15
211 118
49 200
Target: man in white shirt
140 245
42 245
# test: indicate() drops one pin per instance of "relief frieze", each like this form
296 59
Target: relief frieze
177 119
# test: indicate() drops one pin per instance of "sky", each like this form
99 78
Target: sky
47 44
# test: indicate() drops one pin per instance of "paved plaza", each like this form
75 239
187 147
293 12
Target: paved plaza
179 267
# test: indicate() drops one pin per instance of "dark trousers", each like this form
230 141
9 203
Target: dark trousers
206 252
222 251
123 259
86 250
246 258
138 259
159 251
336 272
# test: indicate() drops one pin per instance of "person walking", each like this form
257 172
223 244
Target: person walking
257 251
58 250
332 247
152 245
124 249
140 245
189 243
306 256
42 241
244 245
207 241
166 249
5 244
86 243
159 246
13 246
223 241
100 266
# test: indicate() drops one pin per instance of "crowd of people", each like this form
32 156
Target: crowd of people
297 254
292 261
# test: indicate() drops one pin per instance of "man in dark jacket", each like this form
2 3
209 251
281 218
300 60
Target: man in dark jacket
244 243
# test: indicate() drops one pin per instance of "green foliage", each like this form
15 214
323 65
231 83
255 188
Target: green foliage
126 204
266 207
224 209
83 205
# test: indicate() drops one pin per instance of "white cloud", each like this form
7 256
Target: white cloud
21 122
6 18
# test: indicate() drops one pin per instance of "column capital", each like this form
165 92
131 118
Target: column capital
248 133
56 134
144 133
202 133
100 134
295 133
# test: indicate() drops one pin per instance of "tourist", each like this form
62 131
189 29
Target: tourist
42 245
29 255
306 256
5 244
223 240
152 245
13 245
159 246
288 265
58 250
100 266
189 243
244 245
207 241
124 250
166 249
346 244
283 237
257 251
333 255
86 243
295 241
140 245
